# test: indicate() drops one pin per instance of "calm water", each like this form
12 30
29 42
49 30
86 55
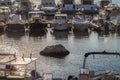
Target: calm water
77 43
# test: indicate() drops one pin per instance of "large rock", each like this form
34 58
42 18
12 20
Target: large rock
58 51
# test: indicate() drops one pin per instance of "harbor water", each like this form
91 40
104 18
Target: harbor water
78 43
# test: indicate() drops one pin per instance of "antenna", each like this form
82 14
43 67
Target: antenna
30 55
23 57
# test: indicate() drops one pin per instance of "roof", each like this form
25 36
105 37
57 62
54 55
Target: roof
60 14
22 61
48 8
36 12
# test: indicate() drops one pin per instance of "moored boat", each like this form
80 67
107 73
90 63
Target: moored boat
88 7
37 21
15 23
79 24
60 22
49 7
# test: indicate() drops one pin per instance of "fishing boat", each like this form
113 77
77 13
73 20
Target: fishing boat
16 68
85 74
79 24
15 23
60 22
37 21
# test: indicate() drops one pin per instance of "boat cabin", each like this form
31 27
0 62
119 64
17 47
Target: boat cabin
60 18
68 6
36 16
48 3
88 7
49 7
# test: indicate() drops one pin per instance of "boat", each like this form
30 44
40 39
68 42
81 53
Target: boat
37 21
88 7
103 3
112 7
80 24
5 10
60 22
7 3
15 23
86 74
25 6
68 6
16 68
49 7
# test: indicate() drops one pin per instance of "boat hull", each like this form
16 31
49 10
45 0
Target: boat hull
80 27
60 27
37 26
15 27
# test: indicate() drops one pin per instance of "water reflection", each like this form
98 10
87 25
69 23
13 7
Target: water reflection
80 34
60 34
15 35
38 33
77 43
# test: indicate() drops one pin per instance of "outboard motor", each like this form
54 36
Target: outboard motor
35 74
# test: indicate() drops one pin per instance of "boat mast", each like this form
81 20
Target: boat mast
99 53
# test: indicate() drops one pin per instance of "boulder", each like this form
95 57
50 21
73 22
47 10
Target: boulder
58 51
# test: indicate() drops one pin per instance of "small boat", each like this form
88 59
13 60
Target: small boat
15 24
79 24
16 68
60 22
37 21
85 74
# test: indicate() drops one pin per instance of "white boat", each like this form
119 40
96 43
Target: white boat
80 24
86 74
60 22
15 23
13 67
49 7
